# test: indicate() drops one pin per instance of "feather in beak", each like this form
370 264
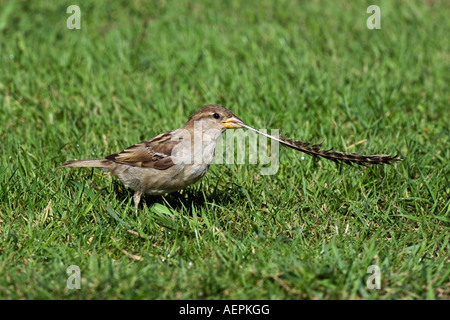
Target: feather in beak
233 123
336 156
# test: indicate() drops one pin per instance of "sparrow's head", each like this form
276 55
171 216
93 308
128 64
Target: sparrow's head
215 117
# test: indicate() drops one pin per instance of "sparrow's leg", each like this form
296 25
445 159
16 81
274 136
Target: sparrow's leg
137 199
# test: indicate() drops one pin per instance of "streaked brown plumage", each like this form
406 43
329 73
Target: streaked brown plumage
158 166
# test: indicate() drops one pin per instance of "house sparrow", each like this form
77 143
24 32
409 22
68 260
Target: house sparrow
176 159
172 160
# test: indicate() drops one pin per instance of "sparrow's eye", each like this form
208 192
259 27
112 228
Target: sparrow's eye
216 116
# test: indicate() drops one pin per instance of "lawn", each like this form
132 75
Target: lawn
311 69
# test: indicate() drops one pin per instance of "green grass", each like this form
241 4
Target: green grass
311 69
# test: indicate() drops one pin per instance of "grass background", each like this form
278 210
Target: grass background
310 68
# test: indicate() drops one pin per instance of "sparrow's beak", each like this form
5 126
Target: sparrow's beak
233 123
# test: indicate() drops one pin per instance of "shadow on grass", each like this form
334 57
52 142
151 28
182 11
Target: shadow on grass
193 197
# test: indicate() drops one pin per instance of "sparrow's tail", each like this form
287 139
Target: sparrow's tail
347 158
92 163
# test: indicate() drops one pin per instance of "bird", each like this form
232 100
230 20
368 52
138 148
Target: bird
175 159
170 161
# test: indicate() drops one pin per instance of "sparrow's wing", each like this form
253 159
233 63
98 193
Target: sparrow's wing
154 153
